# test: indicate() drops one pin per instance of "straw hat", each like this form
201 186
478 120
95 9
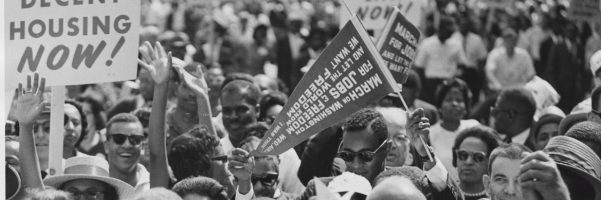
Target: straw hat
89 167
574 156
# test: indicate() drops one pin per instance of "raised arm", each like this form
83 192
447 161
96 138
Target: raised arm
199 86
29 105
158 63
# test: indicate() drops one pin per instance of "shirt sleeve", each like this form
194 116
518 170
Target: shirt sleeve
247 196
437 176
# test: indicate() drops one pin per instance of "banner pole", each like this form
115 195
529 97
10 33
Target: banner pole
55 149
407 109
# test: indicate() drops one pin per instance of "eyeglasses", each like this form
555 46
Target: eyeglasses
268 179
87 194
462 155
120 139
223 159
365 155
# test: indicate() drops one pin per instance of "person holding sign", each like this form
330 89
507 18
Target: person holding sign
240 101
79 179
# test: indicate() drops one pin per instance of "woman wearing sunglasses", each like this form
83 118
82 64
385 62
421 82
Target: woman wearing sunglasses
470 155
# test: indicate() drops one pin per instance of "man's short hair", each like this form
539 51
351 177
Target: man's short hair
483 133
204 186
511 151
521 99
416 175
365 118
190 153
588 133
249 89
122 118
595 96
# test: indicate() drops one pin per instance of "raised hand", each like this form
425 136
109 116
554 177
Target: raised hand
418 128
240 164
540 178
196 83
29 103
156 61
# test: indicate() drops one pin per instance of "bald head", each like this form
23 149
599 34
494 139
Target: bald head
396 188
266 83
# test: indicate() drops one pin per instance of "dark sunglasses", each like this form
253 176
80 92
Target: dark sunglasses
463 155
365 155
120 139
268 179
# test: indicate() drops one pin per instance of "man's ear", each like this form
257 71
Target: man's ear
486 183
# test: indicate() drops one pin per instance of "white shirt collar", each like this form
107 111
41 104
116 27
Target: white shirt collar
521 137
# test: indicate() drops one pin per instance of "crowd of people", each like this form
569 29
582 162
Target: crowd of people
501 103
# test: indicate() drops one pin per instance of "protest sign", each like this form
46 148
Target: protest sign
72 42
373 13
397 45
413 10
585 10
347 76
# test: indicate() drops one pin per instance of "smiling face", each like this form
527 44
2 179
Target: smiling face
503 181
123 157
453 105
471 170
237 114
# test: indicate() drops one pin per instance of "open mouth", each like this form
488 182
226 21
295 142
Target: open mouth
126 155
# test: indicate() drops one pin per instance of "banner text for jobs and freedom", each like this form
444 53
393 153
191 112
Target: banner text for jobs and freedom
349 76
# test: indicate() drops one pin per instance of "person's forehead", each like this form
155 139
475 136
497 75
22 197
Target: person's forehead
473 144
126 128
84 184
71 111
265 165
359 140
505 166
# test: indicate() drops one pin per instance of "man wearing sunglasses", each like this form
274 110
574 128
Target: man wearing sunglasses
240 110
124 134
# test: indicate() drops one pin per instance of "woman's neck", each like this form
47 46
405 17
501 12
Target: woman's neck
450 124
471 187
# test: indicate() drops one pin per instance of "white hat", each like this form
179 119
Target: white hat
595 62
89 167
350 184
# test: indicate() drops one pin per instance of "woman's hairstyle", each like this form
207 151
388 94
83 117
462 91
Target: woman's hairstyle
445 87
271 99
204 186
97 111
483 133
189 155
84 121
